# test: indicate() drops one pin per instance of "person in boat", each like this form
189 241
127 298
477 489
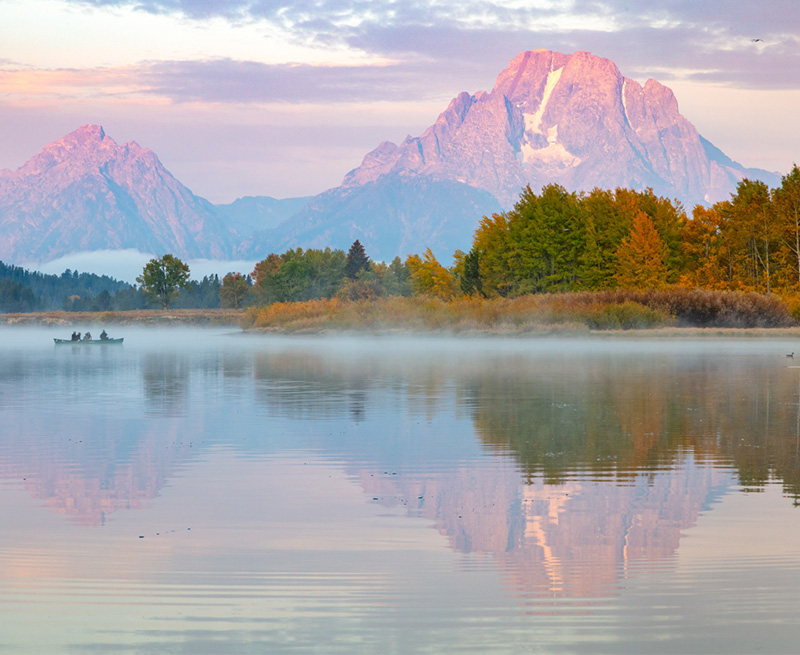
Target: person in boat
75 336
87 336
103 336
78 336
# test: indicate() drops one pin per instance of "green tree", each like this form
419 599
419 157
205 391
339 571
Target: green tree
357 260
162 278
234 290
750 235
397 278
299 275
469 272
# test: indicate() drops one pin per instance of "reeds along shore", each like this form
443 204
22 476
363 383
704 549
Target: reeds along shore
604 310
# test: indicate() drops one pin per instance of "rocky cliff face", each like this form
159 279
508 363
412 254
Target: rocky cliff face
570 119
86 192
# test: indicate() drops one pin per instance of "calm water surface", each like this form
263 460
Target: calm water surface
206 492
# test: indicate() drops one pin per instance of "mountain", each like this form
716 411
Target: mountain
86 192
574 120
256 213
393 215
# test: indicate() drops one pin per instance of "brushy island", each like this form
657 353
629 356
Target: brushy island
604 310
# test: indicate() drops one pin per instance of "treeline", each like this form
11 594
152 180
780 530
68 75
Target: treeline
299 275
560 241
22 290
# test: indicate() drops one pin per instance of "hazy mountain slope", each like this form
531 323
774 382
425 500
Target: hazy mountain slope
86 192
257 213
396 215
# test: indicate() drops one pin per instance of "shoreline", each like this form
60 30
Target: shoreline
233 318
155 317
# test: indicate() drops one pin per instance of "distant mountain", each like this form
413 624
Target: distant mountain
394 215
85 192
257 213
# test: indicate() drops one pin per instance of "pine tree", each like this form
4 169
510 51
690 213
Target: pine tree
357 260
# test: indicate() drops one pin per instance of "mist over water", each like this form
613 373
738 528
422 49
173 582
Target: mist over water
214 491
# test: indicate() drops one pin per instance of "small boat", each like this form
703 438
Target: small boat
88 342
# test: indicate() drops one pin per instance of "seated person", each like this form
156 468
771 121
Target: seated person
87 336
103 336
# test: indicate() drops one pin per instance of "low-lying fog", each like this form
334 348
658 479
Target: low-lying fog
399 347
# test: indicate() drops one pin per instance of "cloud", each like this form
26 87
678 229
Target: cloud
225 80
709 40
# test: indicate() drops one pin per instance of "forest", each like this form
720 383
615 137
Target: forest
22 290
560 241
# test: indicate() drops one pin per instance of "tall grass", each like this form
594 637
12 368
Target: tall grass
605 310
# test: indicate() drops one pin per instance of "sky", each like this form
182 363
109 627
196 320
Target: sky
266 97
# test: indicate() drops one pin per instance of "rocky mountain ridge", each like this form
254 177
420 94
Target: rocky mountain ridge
85 192
570 119
573 119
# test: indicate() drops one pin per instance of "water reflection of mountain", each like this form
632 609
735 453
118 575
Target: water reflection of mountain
557 540
76 433
600 459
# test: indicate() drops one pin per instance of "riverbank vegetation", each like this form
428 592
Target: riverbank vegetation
557 312
606 259
160 317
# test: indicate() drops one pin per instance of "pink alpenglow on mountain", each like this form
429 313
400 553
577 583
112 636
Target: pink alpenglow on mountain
85 192
574 120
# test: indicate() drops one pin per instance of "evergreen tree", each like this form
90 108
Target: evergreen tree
357 260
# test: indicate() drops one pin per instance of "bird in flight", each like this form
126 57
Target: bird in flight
756 40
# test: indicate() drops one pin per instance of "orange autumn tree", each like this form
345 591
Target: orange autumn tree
641 257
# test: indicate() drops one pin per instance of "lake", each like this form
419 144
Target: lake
204 491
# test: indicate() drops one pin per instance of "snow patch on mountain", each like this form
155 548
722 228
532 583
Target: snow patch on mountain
533 121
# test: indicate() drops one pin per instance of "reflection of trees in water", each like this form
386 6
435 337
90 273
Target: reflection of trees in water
165 377
307 385
633 415
562 413
318 385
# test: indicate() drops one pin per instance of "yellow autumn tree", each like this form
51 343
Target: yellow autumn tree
701 247
641 257
430 278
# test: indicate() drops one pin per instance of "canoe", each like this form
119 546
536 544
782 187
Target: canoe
90 342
